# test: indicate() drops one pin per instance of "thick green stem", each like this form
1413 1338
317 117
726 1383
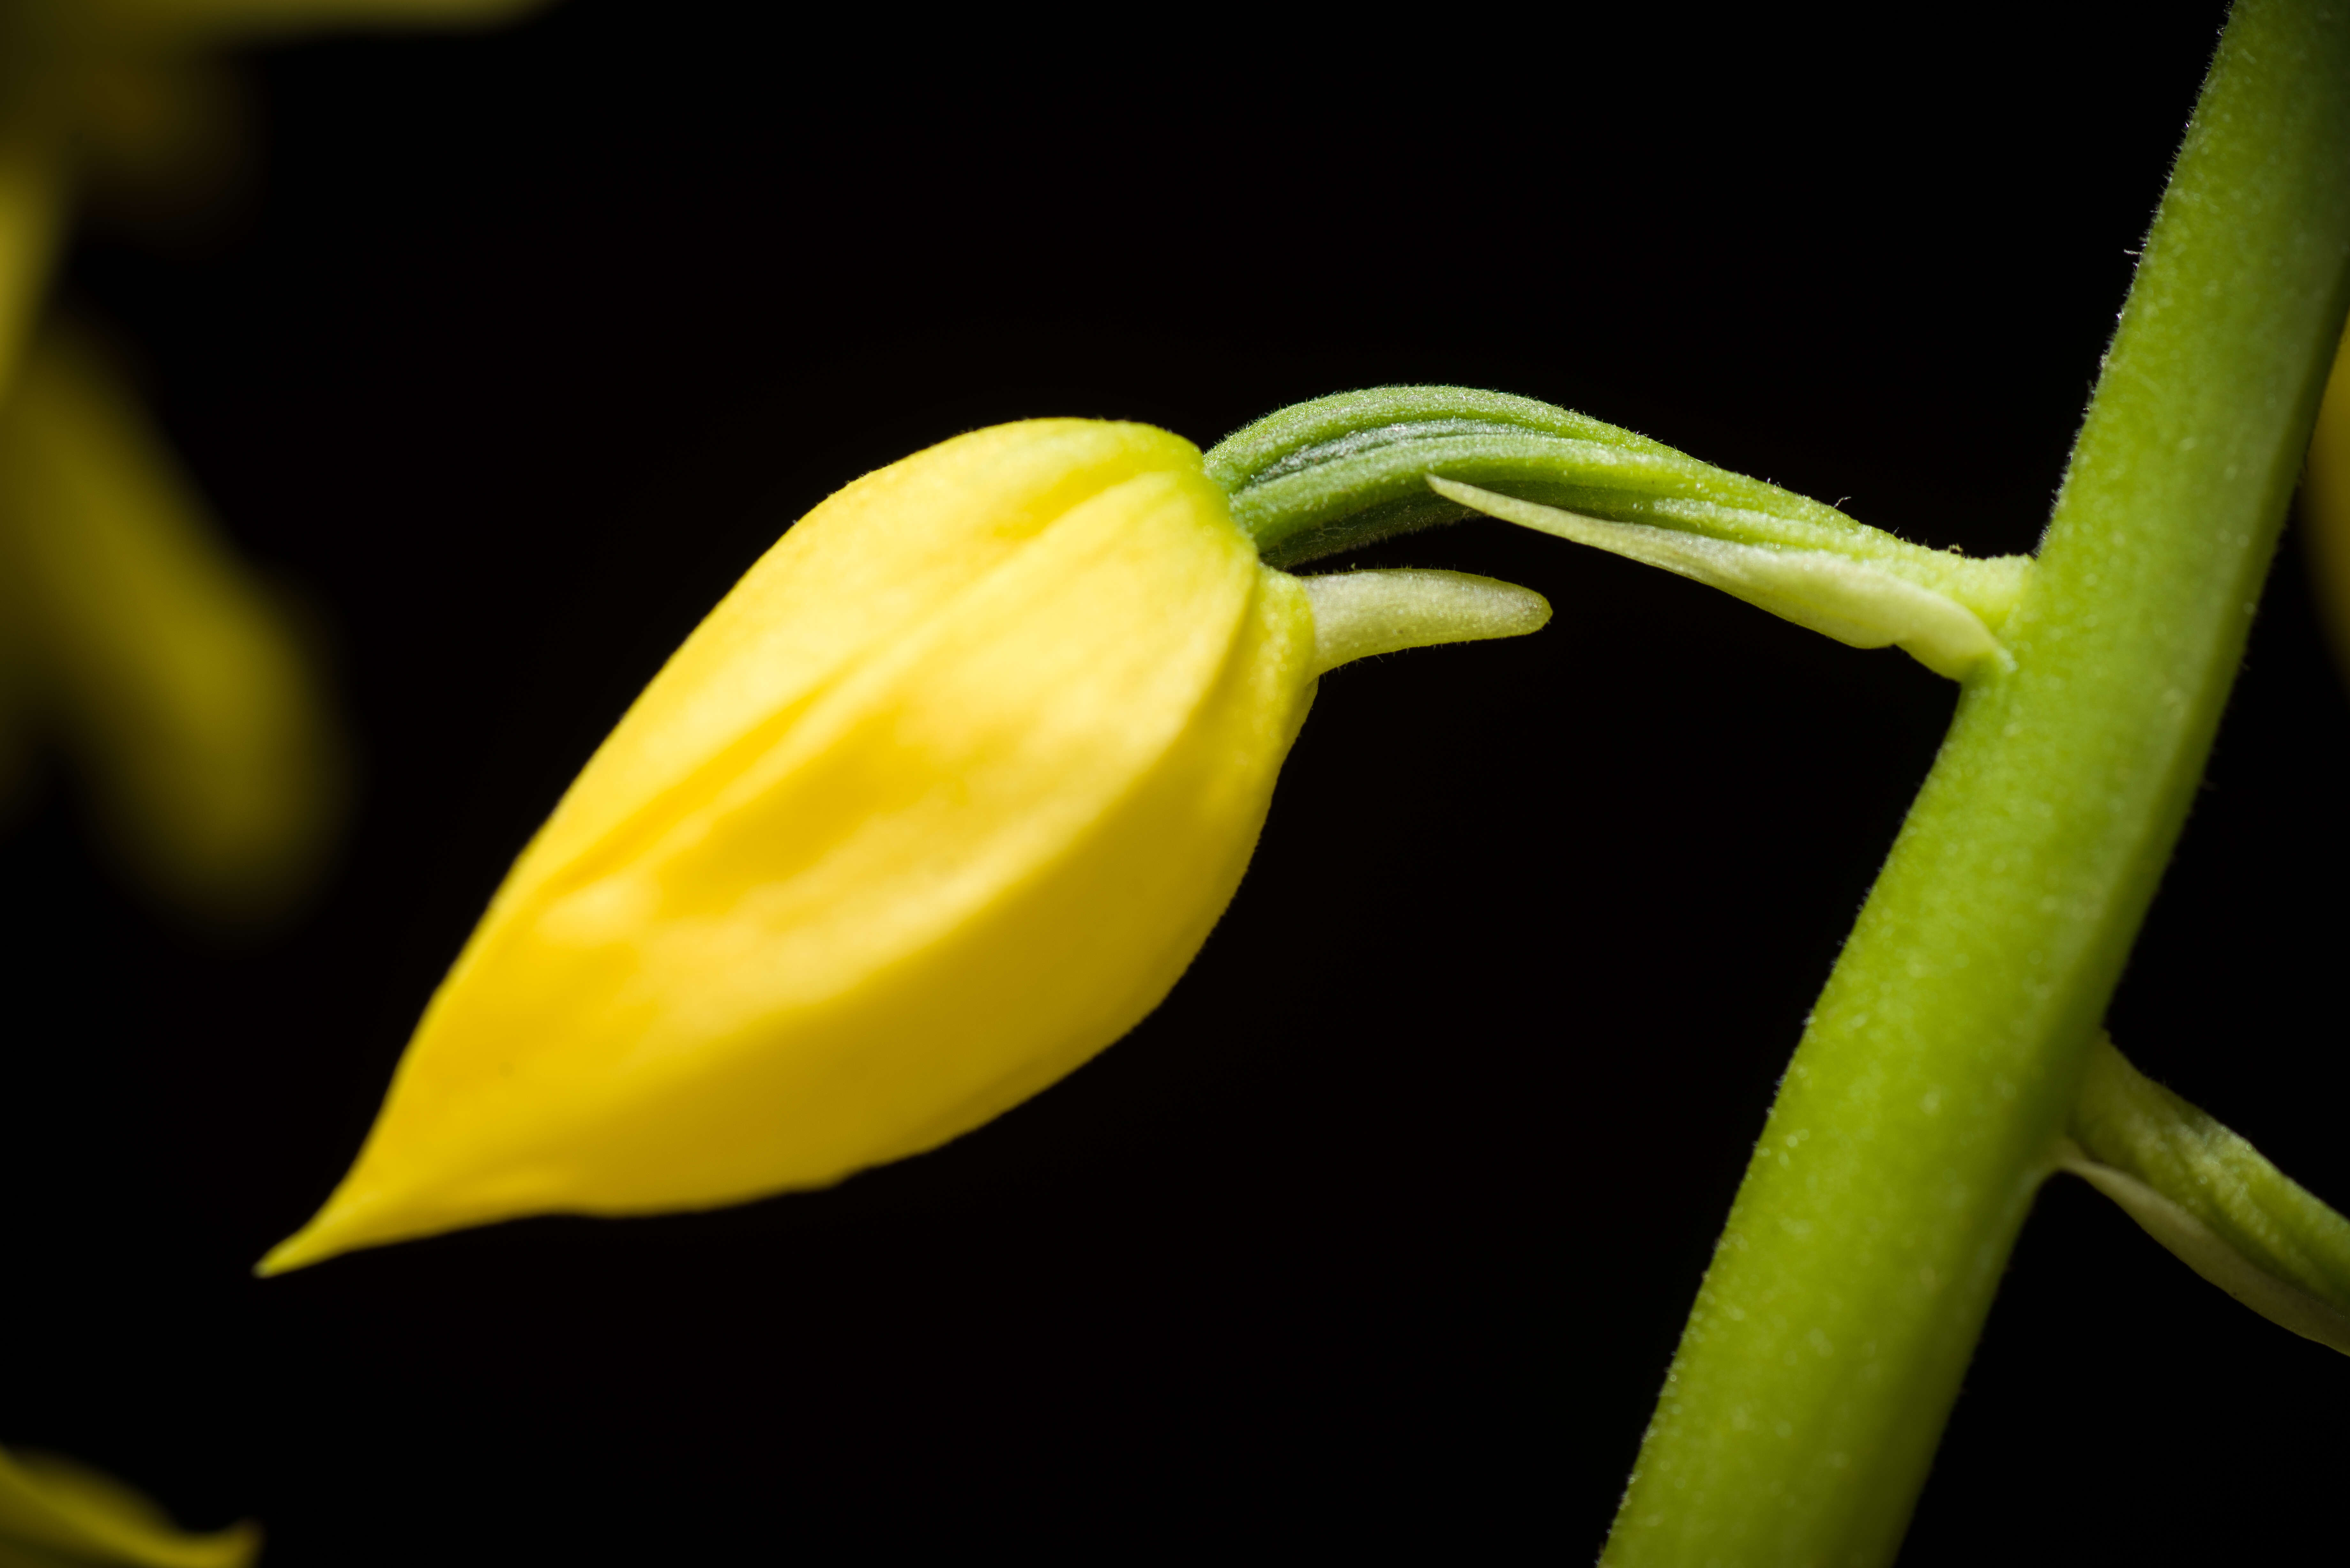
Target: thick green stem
1930 1093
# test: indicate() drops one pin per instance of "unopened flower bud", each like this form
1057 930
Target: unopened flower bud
936 804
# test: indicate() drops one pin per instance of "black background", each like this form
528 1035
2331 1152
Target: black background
1381 1232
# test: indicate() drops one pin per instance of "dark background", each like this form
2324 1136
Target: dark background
1378 1234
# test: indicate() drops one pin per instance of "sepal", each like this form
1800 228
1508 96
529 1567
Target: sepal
1359 614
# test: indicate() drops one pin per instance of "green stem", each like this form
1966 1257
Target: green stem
1929 1096
1341 472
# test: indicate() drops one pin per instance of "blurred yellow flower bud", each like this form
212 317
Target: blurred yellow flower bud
936 804
55 1511
177 680
2326 504
124 623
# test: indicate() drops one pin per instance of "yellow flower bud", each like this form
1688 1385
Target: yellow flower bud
936 803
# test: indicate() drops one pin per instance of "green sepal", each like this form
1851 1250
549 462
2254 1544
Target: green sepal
1358 615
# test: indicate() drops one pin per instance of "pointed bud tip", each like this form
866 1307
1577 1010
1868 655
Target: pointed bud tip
332 1232
298 1251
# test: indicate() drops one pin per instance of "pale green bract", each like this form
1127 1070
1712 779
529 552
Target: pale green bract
2212 1198
1853 601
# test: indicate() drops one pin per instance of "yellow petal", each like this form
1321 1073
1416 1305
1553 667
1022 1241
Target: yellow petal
939 803
54 1506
